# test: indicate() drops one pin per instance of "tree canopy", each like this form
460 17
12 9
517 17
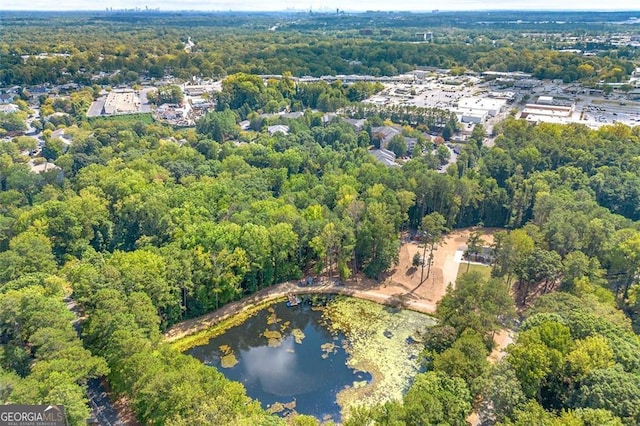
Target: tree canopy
143 231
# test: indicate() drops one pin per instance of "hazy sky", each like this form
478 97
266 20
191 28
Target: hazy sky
325 4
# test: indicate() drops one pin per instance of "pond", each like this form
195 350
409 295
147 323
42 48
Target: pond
319 360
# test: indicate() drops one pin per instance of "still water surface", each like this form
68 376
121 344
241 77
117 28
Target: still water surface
305 372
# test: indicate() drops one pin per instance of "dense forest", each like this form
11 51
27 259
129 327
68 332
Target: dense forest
143 226
127 47
145 232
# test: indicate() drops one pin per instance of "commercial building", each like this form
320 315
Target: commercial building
545 100
547 113
476 110
121 102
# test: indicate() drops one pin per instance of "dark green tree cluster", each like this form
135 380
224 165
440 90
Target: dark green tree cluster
169 93
42 359
163 385
574 356
246 93
434 398
12 122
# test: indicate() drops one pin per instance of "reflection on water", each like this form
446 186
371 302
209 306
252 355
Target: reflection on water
281 362
291 371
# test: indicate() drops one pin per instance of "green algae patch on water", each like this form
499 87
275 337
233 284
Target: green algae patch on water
378 342
279 407
272 318
274 338
202 337
328 349
298 335
228 358
228 361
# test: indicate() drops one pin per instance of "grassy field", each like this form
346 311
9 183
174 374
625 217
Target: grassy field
485 271
145 118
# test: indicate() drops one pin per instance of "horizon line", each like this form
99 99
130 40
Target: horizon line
319 11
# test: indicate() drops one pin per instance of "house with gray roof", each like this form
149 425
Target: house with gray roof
385 156
358 125
278 128
384 134
6 98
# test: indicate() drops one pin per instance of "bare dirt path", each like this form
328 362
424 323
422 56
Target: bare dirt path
402 286
360 289
443 271
502 339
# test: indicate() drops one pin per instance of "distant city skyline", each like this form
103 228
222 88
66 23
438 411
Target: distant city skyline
277 5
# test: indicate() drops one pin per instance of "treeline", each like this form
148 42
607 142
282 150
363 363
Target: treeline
116 53
602 162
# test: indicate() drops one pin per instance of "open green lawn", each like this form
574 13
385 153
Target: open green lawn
484 270
145 118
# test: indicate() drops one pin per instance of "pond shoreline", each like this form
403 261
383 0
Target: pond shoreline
368 349
352 288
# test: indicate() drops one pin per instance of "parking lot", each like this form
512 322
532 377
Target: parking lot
598 111
426 95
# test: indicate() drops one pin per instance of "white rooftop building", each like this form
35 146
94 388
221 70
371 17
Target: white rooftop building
488 106
547 113
8 108
545 100
278 128
121 102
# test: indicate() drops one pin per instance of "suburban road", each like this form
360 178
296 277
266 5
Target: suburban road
103 411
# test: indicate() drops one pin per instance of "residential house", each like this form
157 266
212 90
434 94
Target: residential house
43 167
38 90
358 125
9 108
384 134
328 118
278 128
411 143
65 137
6 98
68 88
292 115
385 156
